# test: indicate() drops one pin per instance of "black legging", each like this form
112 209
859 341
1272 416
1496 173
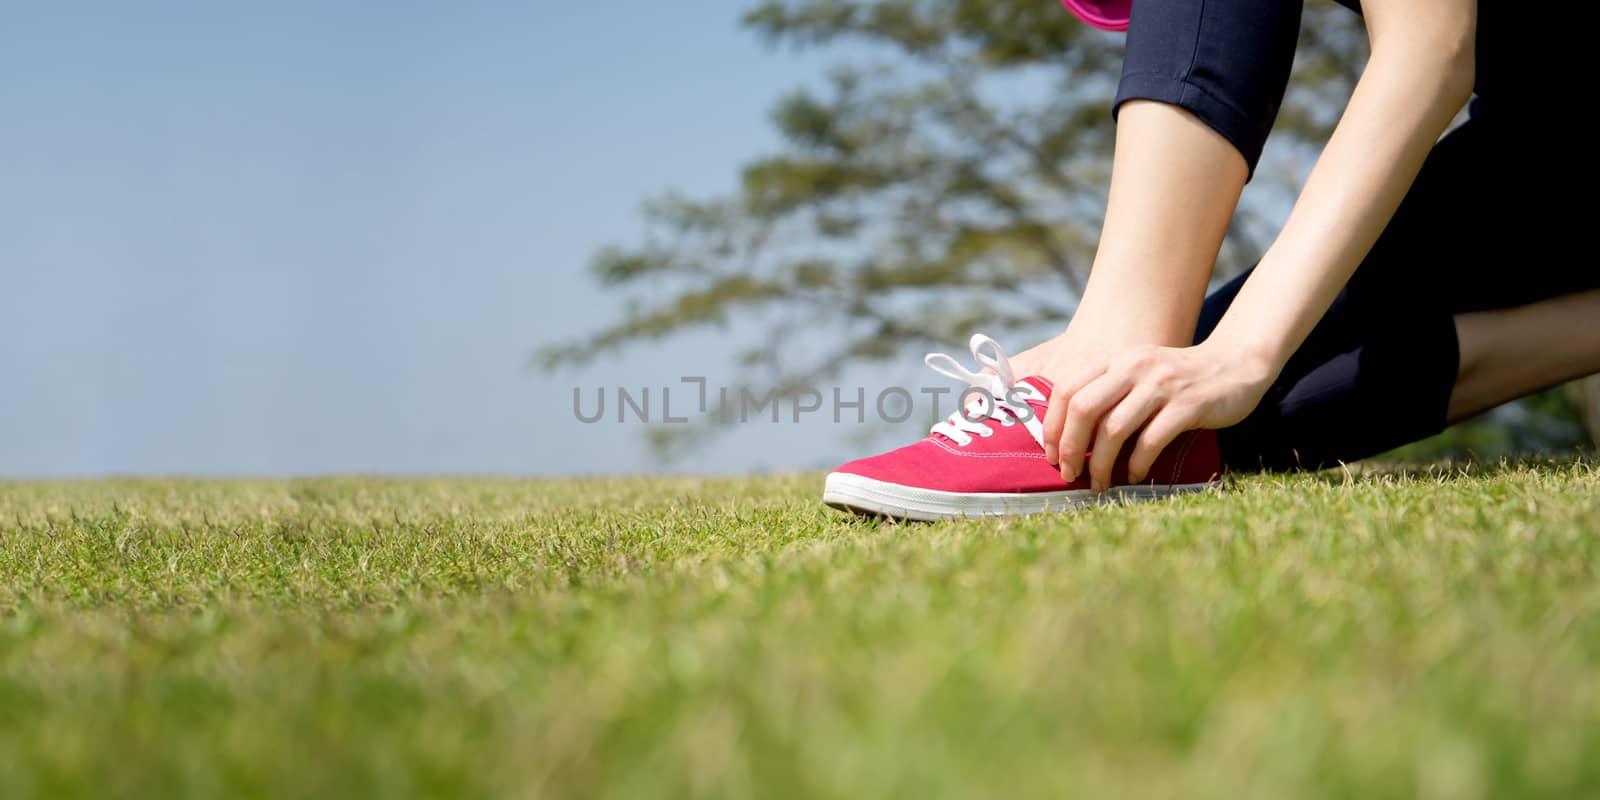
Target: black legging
1478 230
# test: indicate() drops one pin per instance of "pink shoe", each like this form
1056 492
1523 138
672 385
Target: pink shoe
988 458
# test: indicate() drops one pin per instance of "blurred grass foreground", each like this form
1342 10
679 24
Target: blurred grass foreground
1386 634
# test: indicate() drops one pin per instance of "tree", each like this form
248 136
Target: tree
952 176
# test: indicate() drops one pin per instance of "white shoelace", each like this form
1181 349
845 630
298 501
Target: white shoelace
1002 398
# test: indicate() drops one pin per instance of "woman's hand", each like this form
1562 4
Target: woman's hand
1154 393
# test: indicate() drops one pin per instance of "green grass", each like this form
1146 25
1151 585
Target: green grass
1387 634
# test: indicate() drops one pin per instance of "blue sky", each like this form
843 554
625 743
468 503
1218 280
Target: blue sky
307 237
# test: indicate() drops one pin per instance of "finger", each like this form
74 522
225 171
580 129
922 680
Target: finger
1163 427
1084 411
1055 415
1115 427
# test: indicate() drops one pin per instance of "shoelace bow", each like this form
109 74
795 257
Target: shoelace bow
1003 398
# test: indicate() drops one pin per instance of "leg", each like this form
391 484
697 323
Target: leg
1508 353
1415 340
1365 381
1398 388
1159 241
1201 84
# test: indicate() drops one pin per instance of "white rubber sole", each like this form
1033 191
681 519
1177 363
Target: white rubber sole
868 496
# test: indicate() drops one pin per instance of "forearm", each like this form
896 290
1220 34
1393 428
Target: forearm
1404 101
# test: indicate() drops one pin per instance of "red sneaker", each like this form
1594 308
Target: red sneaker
988 459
